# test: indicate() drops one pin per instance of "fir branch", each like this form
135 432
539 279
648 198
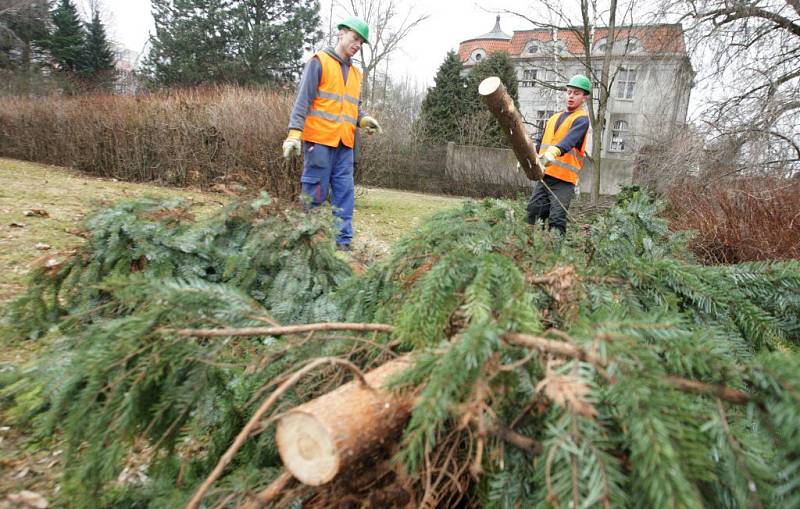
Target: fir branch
265 496
280 331
562 348
720 391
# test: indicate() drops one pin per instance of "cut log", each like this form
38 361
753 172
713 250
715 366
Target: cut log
321 438
502 107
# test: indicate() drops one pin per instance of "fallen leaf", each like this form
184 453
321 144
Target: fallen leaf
41 246
17 225
27 498
22 473
77 232
36 213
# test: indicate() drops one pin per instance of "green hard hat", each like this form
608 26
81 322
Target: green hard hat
357 25
582 82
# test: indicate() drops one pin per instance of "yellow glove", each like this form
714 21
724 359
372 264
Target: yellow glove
292 145
550 155
370 125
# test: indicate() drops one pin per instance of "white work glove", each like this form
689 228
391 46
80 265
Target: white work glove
370 125
550 155
292 145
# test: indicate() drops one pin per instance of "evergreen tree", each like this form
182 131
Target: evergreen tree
191 43
68 40
224 41
271 36
97 63
497 64
444 104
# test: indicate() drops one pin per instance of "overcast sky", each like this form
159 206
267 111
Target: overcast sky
450 22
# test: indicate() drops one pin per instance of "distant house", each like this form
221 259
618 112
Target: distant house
649 96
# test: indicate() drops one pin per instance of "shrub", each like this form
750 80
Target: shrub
192 137
739 220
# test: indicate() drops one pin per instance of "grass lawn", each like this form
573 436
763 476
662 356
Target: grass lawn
388 215
66 196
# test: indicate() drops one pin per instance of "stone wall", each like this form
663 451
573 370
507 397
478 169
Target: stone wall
476 171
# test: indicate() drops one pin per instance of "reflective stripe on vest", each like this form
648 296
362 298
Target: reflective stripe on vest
566 166
333 114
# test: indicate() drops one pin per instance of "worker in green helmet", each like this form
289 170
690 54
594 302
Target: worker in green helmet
562 149
322 125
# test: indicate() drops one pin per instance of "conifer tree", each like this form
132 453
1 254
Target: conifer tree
444 104
226 41
270 38
191 42
68 39
97 63
497 64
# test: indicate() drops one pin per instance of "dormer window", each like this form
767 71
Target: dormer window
532 48
632 45
477 55
601 46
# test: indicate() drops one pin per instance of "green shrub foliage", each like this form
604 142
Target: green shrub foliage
682 388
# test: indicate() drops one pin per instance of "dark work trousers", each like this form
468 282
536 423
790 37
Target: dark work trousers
544 206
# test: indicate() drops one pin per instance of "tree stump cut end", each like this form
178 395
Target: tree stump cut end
307 448
489 85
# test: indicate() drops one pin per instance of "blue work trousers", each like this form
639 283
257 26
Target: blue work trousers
551 204
330 169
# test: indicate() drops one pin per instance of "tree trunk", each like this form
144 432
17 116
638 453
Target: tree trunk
502 107
321 438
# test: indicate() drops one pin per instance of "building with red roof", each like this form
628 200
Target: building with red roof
649 93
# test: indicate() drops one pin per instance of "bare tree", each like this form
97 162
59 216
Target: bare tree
750 50
389 26
589 22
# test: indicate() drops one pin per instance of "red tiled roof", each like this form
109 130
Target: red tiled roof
488 45
654 38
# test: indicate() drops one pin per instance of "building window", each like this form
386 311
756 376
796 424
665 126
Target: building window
626 81
619 136
539 121
551 77
600 46
478 54
528 78
632 45
533 47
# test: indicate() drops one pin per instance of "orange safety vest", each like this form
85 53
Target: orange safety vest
333 114
566 166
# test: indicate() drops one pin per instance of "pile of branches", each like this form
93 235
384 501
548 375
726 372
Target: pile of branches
272 252
604 369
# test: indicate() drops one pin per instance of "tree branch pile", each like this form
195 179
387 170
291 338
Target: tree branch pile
520 370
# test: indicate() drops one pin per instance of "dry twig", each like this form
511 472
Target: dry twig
253 422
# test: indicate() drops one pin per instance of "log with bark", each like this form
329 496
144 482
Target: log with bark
502 107
321 438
